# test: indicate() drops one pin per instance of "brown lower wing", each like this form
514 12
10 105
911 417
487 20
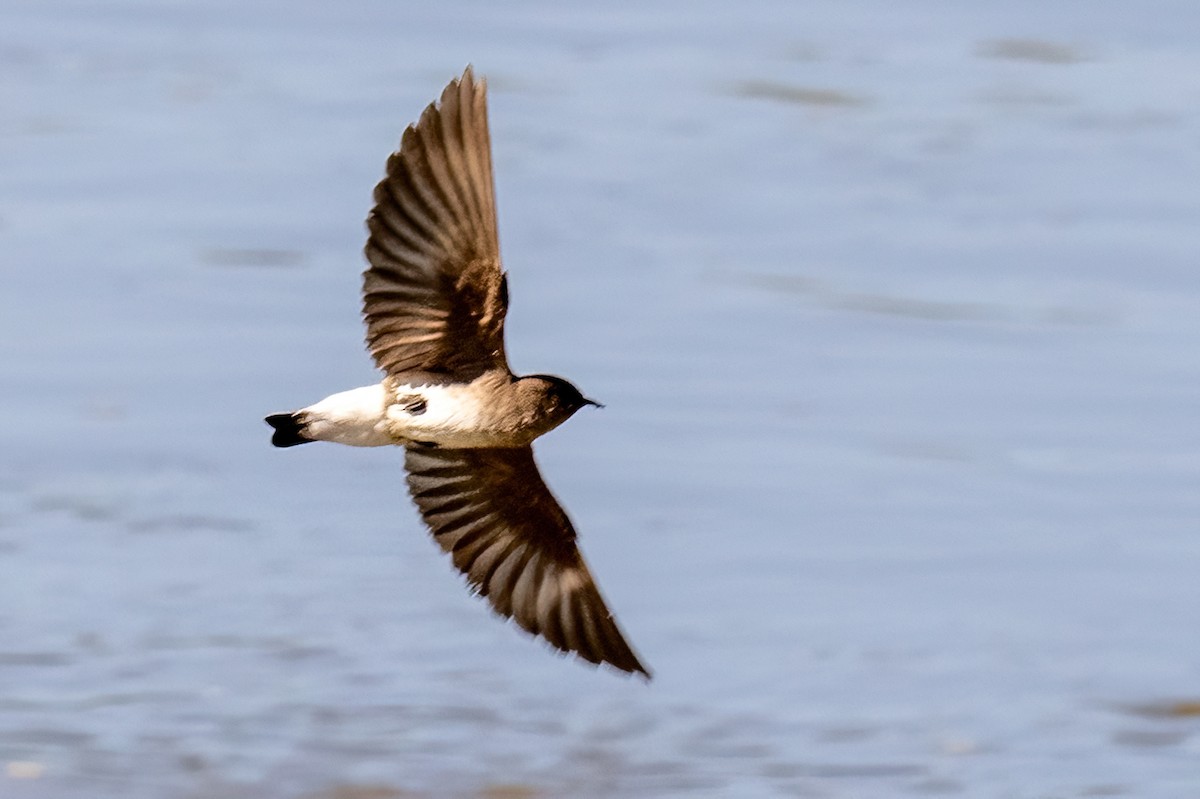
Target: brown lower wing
490 509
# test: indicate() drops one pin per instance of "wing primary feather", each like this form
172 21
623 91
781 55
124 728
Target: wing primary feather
473 113
516 546
455 147
547 601
424 184
398 240
569 621
485 180
478 558
432 233
525 590
464 541
441 171
404 189
502 580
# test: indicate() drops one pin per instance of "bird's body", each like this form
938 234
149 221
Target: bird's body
434 300
493 410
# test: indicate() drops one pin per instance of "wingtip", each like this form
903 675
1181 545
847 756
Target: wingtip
632 670
635 668
470 80
467 76
461 86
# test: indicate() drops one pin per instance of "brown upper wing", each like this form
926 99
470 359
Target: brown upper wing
434 297
490 509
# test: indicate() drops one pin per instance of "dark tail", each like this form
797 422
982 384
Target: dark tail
289 429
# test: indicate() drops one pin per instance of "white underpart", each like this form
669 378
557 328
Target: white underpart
355 417
453 415
371 417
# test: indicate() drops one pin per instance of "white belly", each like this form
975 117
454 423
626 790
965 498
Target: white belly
449 416
456 416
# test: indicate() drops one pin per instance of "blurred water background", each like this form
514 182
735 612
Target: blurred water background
895 308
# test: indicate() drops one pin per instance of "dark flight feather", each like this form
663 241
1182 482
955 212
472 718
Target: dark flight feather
434 297
491 510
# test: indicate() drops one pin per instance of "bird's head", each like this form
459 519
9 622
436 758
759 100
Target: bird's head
555 399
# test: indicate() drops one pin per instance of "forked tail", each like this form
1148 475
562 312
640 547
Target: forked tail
289 429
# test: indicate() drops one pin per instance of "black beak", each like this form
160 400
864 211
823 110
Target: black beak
587 401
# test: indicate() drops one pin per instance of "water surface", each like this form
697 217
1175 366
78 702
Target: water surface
893 310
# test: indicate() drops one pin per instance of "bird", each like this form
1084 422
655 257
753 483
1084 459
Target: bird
434 303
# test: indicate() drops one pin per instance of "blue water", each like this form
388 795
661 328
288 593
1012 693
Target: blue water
893 308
